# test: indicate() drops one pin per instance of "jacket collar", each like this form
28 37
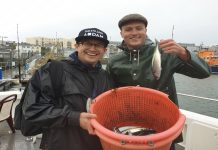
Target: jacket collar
124 47
77 62
135 52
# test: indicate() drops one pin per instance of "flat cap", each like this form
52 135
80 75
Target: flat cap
132 17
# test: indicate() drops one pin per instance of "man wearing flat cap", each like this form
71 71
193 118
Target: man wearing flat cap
145 63
64 115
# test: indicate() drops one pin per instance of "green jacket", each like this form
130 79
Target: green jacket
131 68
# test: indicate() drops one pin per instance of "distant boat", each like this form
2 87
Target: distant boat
210 57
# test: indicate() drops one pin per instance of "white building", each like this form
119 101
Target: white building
26 50
44 41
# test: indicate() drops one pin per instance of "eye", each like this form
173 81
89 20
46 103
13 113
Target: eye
128 29
139 28
100 45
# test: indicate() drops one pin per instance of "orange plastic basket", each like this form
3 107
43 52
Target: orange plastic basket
136 106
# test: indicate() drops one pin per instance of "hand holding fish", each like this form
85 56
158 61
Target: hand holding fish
171 47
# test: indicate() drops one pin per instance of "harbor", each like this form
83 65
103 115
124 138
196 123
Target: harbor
32 32
195 96
206 88
190 92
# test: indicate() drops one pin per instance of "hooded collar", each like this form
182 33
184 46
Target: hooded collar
135 52
124 47
75 60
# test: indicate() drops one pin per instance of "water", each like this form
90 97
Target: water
199 87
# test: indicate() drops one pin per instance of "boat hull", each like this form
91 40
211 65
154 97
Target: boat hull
214 68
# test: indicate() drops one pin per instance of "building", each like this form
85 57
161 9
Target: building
6 58
44 42
215 48
26 50
190 46
112 49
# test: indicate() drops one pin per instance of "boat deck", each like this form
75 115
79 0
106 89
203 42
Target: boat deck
16 141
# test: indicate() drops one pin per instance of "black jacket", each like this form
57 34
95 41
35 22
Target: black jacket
61 122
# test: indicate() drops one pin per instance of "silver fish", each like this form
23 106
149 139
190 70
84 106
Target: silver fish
156 62
134 130
88 104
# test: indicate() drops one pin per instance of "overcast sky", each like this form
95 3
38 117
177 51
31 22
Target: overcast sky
195 21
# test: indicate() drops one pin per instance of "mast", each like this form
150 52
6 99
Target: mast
172 31
18 55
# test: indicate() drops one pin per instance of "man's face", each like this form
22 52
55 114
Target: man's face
134 34
90 51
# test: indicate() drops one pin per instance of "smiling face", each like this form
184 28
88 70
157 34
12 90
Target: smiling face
134 34
90 51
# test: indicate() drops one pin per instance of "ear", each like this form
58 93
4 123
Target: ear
76 45
105 50
121 33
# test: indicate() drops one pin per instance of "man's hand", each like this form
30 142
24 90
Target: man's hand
171 47
85 122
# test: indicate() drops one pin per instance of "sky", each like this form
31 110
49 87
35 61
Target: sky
194 21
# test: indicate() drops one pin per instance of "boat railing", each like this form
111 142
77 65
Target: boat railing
197 124
198 97
199 104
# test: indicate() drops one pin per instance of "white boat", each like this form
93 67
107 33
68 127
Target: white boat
200 132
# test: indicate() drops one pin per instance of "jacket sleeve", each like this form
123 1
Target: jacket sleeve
195 67
39 106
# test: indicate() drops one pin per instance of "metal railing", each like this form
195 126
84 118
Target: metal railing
199 97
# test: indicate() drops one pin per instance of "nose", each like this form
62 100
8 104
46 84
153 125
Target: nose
93 46
134 31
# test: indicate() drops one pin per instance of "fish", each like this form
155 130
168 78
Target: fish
134 130
88 104
156 62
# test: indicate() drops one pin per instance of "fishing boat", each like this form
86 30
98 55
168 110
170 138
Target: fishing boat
199 133
210 57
